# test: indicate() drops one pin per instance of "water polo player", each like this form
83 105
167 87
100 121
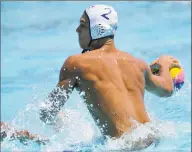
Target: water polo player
113 81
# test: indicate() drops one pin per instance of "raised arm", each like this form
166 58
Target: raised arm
161 84
56 99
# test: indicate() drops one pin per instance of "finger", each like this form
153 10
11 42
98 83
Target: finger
167 57
174 65
174 60
171 57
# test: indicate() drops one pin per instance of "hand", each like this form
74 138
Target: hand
4 129
24 136
166 61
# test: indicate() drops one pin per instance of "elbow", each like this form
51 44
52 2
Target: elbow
167 93
167 90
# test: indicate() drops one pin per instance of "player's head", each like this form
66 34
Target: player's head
97 22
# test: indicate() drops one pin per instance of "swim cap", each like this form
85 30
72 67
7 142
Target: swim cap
102 20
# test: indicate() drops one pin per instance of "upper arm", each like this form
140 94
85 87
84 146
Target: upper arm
68 73
57 98
157 85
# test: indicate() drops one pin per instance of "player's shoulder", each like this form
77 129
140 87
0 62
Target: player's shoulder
73 59
140 62
77 61
128 56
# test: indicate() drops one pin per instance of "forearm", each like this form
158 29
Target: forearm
160 82
163 90
163 82
167 82
54 102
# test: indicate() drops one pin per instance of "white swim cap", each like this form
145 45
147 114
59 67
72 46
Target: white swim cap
103 21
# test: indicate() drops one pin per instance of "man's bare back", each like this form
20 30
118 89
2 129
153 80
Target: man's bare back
113 84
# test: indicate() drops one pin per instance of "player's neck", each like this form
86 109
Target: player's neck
106 45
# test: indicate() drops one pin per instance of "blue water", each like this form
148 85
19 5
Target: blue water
37 37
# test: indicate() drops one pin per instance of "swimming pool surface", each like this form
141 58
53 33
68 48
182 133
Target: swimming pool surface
37 37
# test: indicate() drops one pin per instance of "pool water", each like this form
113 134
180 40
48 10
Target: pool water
37 37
